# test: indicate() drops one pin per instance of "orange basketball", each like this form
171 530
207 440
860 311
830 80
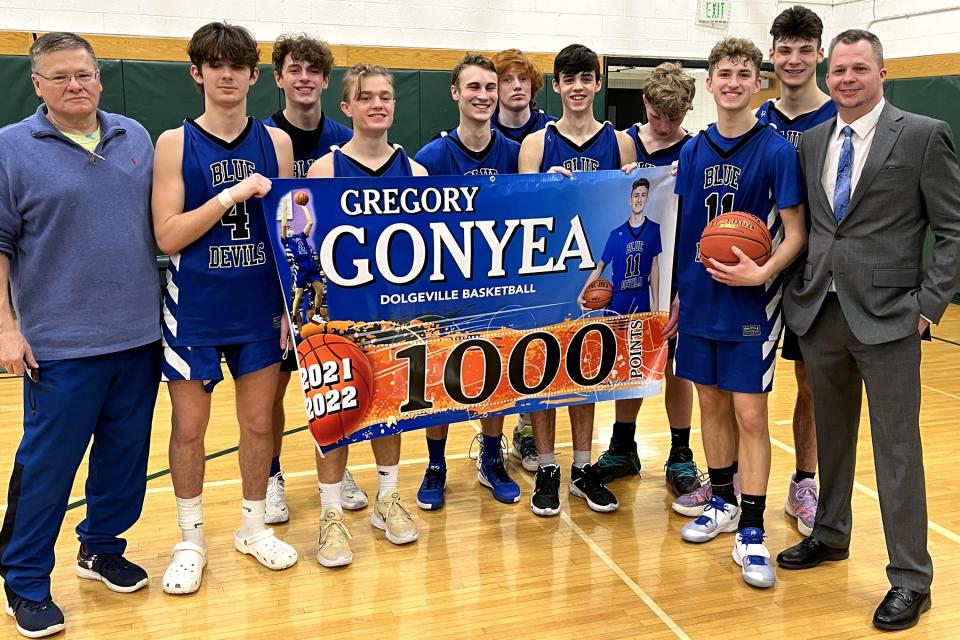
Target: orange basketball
736 229
337 381
598 294
301 198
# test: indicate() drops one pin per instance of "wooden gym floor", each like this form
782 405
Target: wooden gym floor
482 568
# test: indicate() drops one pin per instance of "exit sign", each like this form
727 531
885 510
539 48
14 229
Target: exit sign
713 11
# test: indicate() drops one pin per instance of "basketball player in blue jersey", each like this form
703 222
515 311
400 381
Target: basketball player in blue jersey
632 251
301 68
369 101
306 271
576 142
473 148
222 296
795 53
729 316
667 96
520 80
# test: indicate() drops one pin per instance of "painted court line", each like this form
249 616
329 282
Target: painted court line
611 564
940 391
862 488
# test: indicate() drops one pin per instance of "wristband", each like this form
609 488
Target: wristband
225 199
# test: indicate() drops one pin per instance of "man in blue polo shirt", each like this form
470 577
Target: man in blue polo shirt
76 238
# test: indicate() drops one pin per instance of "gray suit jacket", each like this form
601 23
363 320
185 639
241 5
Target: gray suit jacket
910 181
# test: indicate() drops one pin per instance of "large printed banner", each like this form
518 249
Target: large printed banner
425 301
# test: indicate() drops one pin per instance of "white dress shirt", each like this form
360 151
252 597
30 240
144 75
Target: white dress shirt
863 129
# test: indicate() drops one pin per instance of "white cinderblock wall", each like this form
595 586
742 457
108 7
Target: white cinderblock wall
906 28
631 27
627 27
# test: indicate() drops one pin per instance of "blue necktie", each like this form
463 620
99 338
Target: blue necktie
841 195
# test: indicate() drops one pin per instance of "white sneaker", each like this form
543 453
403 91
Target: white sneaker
333 546
718 517
276 500
391 516
751 554
352 497
185 571
269 550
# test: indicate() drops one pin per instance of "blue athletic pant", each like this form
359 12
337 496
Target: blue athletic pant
110 398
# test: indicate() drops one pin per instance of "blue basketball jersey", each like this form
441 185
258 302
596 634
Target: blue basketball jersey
297 249
538 120
308 146
599 153
630 252
757 173
659 158
792 129
446 155
398 166
222 289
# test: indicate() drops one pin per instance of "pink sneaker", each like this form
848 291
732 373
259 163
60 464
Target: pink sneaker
802 504
692 504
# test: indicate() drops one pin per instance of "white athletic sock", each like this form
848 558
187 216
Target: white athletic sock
254 515
190 519
547 459
387 478
581 458
330 497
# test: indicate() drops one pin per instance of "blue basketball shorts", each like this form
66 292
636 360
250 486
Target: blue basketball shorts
740 366
203 363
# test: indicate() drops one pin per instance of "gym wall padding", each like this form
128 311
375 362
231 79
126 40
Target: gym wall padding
934 97
160 95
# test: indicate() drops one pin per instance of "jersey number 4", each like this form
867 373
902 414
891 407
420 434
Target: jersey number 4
717 204
238 220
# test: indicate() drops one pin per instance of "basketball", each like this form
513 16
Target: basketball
598 294
337 380
736 229
301 198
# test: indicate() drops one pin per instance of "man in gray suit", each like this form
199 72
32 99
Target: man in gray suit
876 179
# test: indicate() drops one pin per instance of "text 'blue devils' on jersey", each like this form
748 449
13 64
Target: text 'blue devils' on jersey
538 120
222 289
309 146
397 166
446 155
755 173
793 129
630 252
659 158
599 153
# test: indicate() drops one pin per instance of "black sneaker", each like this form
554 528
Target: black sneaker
585 483
617 463
545 500
682 474
113 570
34 619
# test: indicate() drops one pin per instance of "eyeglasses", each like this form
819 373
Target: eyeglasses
83 77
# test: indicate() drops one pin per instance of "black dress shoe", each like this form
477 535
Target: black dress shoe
808 554
901 609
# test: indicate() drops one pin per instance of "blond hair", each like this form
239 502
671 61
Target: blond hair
670 91
354 76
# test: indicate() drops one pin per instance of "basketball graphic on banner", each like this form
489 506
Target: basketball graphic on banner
337 382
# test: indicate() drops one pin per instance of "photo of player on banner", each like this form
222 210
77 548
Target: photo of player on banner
423 301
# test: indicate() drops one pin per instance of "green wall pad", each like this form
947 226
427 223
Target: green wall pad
160 95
